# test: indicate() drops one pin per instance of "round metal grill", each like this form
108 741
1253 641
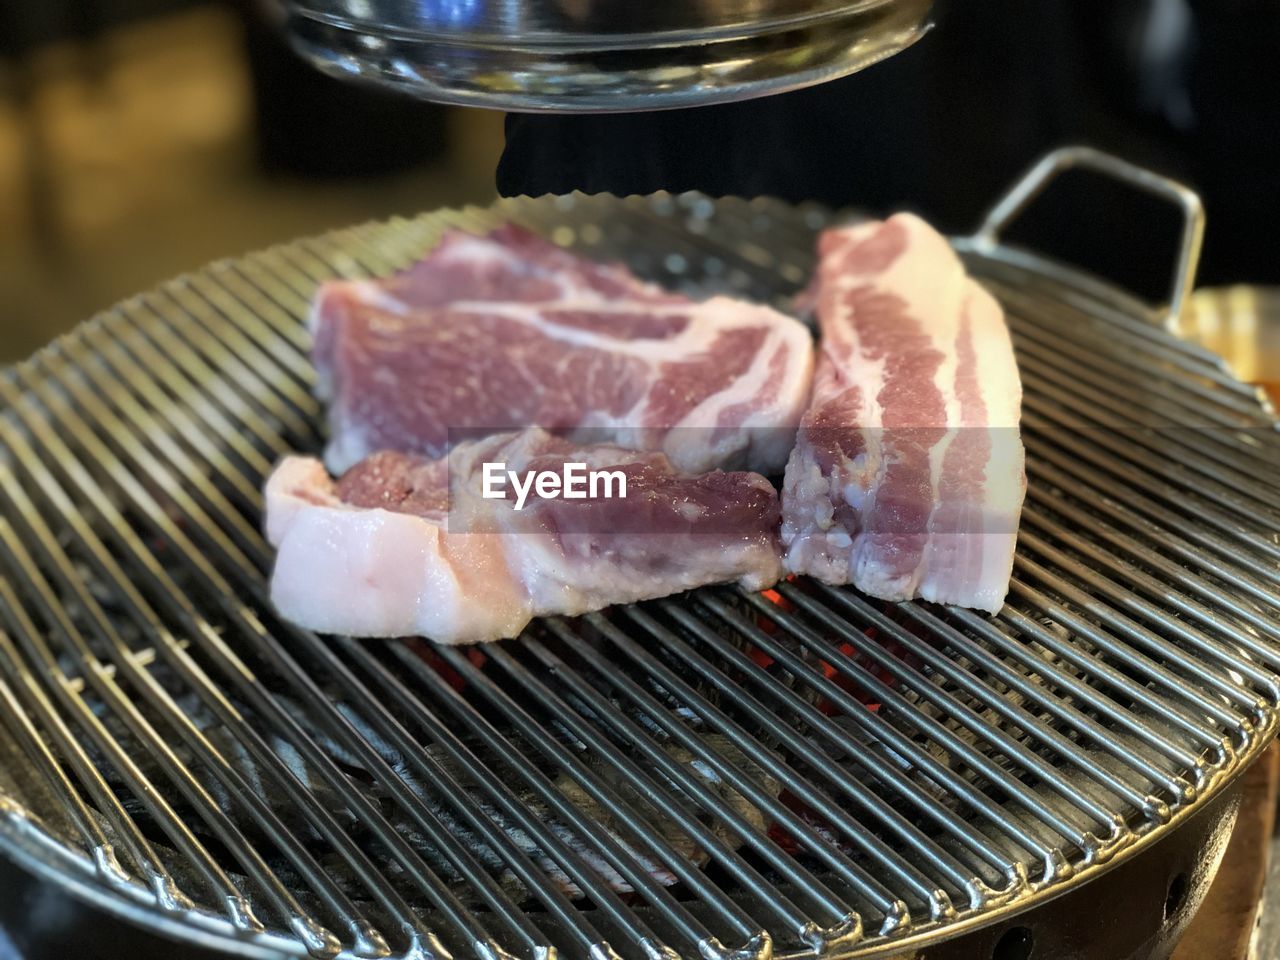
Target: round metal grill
802 771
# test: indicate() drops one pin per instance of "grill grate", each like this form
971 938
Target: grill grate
800 771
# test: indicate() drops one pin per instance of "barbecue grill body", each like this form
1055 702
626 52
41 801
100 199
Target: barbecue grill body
190 764
1137 911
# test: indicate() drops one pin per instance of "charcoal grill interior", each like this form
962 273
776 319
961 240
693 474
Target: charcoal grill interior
804 771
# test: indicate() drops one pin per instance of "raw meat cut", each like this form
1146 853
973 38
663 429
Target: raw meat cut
404 545
509 263
508 331
907 476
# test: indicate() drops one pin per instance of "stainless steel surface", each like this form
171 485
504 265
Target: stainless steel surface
1040 176
599 55
714 775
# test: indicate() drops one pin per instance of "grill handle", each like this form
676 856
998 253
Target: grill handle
1046 170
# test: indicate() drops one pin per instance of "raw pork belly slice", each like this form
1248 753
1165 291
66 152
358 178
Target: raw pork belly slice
403 545
907 477
508 331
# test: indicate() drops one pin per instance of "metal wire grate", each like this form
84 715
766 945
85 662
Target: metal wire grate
803 771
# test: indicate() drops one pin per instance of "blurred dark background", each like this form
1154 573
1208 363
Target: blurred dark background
1190 88
141 138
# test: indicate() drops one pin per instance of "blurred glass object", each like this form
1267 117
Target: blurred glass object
450 13
599 55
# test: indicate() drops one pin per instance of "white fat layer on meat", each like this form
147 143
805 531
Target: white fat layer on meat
689 450
769 444
376 296
366 291
342 569
297 482
480 250
483 572
981 576
716 315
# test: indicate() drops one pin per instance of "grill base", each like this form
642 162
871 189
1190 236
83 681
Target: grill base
1137 911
